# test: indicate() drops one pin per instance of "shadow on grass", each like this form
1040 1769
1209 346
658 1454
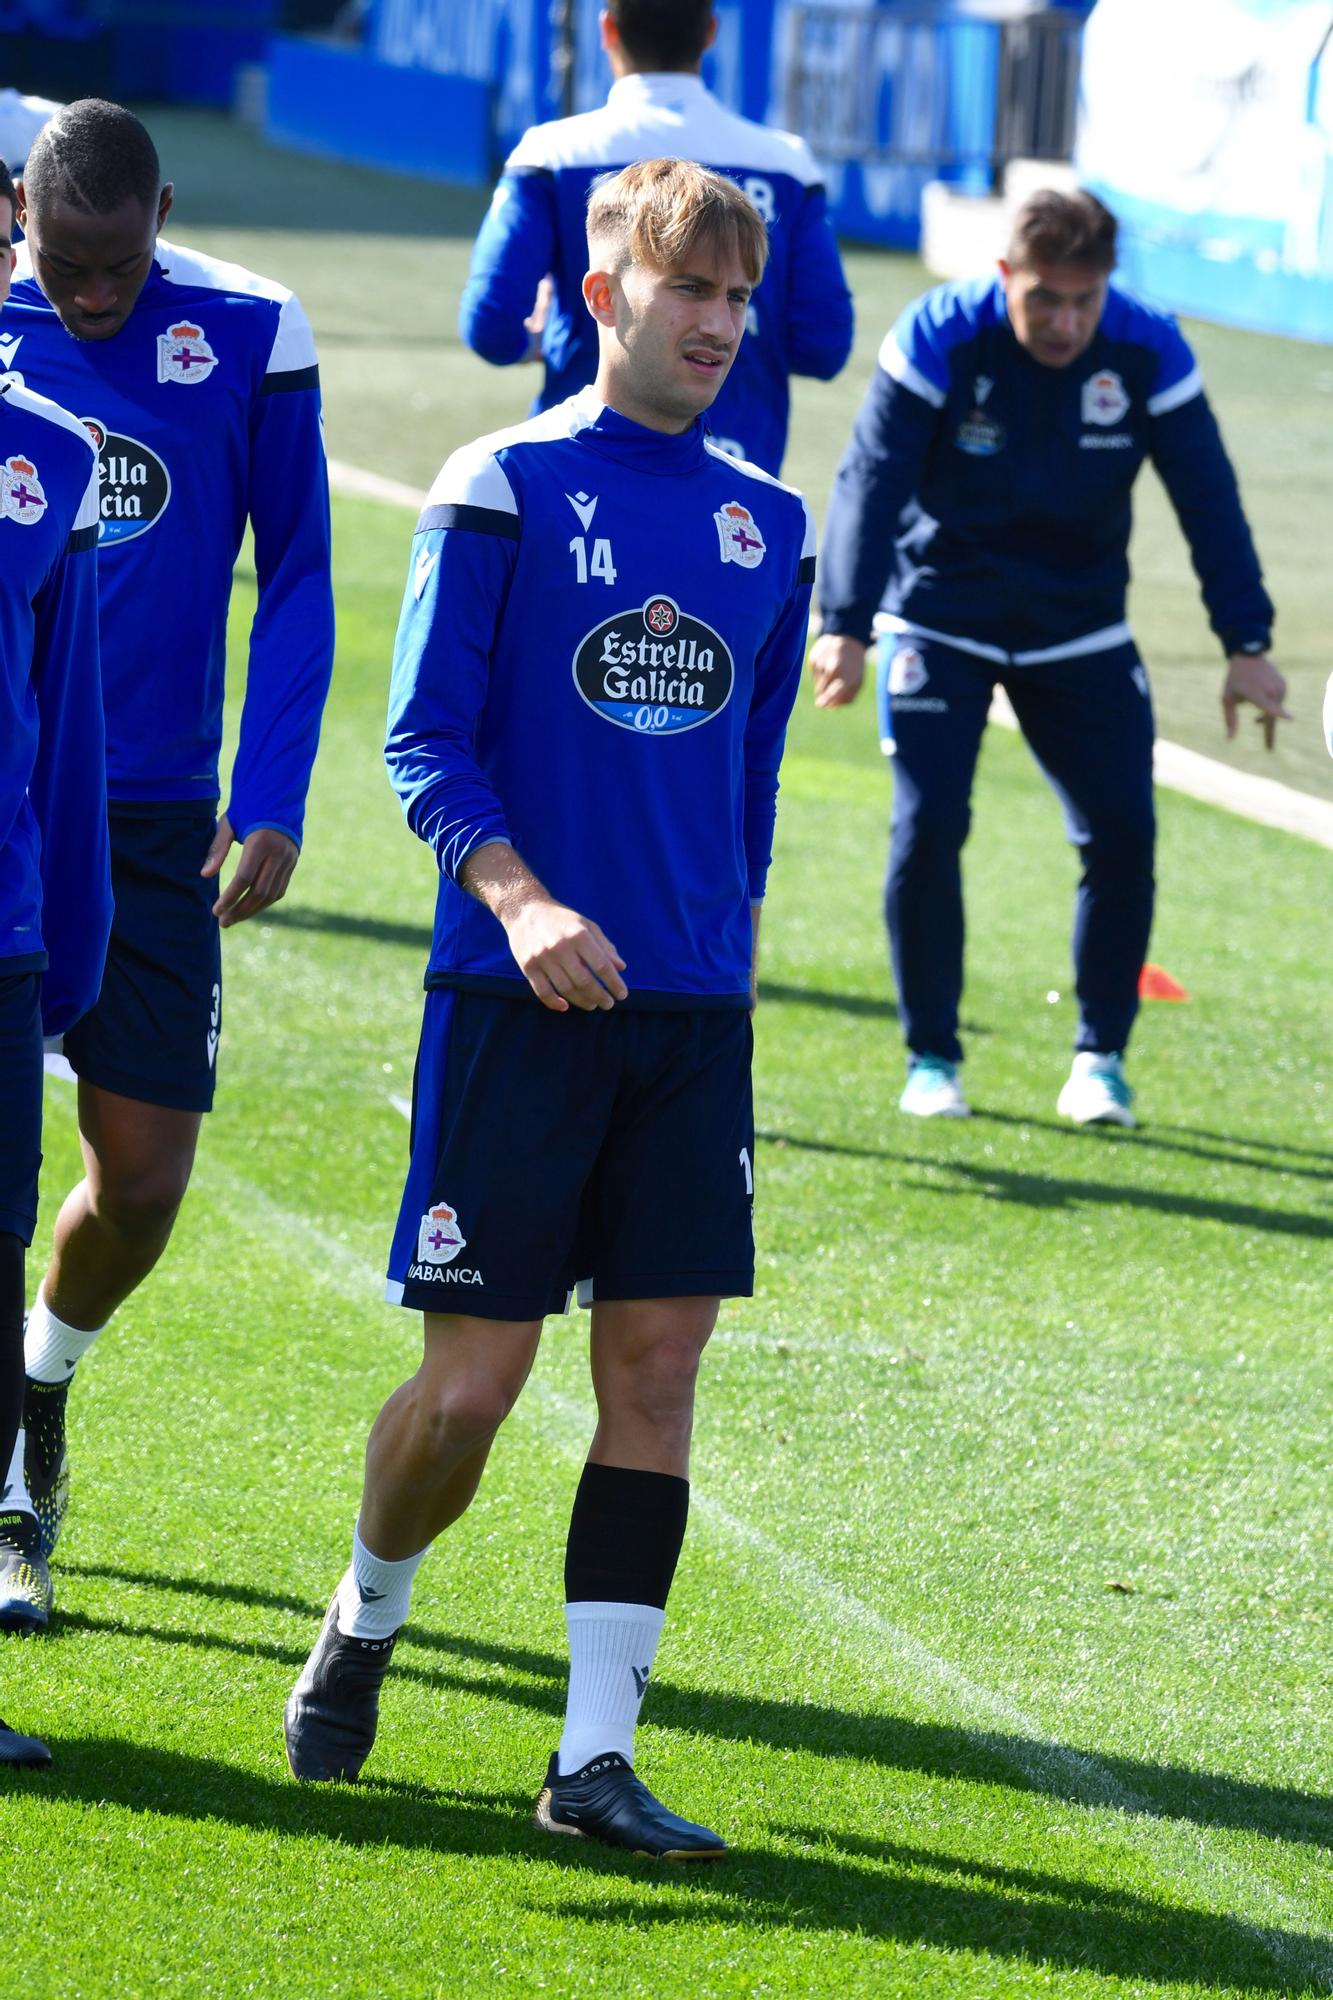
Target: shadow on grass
996 1183
806 1880
535 1680
1220 1149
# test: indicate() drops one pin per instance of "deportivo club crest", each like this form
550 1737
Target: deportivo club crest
439 1238
1105 400
183 355
21 495
655 669
907 671
739 536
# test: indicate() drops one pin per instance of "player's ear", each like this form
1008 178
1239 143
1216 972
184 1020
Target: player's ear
599 297
20 206
165 199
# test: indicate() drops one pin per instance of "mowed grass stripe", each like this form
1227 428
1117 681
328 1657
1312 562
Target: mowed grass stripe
1281 1926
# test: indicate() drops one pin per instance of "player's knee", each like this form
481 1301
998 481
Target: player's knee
934 826
661 1383
461 1416
141 1202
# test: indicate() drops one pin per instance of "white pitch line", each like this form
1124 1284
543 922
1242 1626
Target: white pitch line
1179 769
896 1656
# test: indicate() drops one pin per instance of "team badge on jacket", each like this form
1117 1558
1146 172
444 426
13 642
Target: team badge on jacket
739 535
183 355
21 495
1105 400
439 1238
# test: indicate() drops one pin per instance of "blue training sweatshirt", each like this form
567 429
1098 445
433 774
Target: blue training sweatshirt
800 318
55 875
985 498
601 640
205 411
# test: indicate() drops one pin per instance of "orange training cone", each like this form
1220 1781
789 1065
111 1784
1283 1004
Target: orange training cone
1157 984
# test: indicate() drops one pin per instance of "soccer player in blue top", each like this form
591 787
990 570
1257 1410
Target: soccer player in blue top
800 320
980 518
199 385
600 644
55 885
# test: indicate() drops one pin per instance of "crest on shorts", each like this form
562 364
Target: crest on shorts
907 671
183 355
439 1238
1105 399
739 536
21 495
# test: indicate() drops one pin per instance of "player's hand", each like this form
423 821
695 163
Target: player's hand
567 960
261 875
1253 677
837 668
537 318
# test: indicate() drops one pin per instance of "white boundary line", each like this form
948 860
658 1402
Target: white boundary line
1179 769
897 1659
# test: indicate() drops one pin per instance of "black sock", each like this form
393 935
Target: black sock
625 1536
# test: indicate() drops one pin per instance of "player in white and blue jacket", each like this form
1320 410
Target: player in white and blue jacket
199 385
980 520
600 644
801 315
55 885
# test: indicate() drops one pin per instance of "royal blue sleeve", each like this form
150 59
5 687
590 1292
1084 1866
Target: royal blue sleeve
820 321
291 640
777 681
68 784
514 251
1189 454
456 590
876 477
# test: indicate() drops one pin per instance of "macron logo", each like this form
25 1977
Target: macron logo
426 562
9 343
583 506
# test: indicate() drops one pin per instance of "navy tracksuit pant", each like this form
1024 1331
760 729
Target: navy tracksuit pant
1089 723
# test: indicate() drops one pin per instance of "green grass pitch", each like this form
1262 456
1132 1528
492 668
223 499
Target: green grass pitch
1001 1643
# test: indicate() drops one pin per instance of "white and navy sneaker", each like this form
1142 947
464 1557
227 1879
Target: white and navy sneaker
605 1801
333 1711
26 1596
933 1089
15 1748
1096 1092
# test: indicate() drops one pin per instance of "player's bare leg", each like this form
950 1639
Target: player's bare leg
625 1537
110 1232
424 1461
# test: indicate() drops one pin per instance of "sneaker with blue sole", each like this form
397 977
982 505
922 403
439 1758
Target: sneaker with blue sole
933 1089
605 1801
1096 1092
26 1596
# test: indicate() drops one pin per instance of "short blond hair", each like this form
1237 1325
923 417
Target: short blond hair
657 212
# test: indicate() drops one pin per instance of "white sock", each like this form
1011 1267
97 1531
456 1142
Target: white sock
374 1595
50 1348
13 1488
611 1652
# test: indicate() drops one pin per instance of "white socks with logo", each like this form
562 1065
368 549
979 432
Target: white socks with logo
611 1652
374 1595
50 1348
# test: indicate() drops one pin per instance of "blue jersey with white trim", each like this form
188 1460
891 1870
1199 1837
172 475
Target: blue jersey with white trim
55 873
205 410
985 497
800 318
600 644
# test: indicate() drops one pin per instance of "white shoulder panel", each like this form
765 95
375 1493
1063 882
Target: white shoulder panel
42 406
472 478
212 274
690 125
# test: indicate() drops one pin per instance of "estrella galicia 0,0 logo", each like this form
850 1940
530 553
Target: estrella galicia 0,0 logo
655 670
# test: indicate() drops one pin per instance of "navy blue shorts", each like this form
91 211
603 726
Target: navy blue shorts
20 1101
153 1034
548 1149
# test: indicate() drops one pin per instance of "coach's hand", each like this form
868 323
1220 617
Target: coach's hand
1253 677
566 959
837 668
262 873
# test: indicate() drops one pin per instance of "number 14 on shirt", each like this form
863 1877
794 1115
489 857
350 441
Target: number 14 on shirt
601 564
